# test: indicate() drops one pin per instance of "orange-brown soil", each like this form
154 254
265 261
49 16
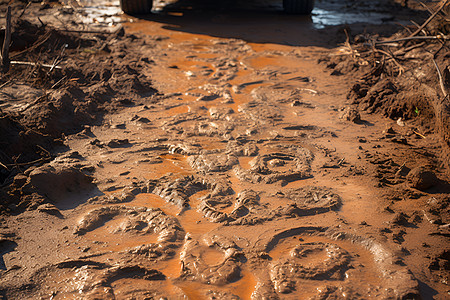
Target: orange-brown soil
211 154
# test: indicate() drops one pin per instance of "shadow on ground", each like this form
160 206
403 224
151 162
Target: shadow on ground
264 21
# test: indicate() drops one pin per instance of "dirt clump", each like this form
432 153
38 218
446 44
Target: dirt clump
61 98
405 76
420 178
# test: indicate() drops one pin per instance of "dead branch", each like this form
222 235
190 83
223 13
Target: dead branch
441 81
58 82
2 165
27 63
58 59
7 41
42 159
402 51
443 4
23 11
433 37
5 84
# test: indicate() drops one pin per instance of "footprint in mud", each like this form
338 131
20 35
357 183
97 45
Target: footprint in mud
216 260
136 230
209 161
242 209
94 280
178 191
309 200
217 201
277 163
317 263
247 208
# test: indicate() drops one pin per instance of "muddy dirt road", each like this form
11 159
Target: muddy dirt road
224 163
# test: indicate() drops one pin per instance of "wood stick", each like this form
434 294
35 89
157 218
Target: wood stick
29 163
433 37
7 41
419 134
426 7
27 63
441 81
443 4
23 11
4 166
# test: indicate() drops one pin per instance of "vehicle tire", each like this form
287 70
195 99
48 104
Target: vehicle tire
136 7
302 7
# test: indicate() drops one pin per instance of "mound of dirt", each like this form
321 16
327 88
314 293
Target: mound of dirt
58 83
405 77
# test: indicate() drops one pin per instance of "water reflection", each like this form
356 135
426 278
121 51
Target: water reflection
325 13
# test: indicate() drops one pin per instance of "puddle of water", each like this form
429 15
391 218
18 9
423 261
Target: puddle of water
193 290
154 201
209 255
322 17
195 224
244 162
212 256
245 286
191 220
287 244
173 267
172 163
177 110
106 239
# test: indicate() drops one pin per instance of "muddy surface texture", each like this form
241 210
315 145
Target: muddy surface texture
225 151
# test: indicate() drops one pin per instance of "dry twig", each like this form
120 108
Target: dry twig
434 37
23 11
27 63
441 81
443 4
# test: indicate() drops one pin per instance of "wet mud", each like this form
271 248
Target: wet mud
211 166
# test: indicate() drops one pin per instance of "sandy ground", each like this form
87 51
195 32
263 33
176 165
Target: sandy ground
213 153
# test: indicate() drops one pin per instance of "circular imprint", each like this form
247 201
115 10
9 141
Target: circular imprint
281 163
330 263
215 260
243 209
136 224
93 280
310 200
317 260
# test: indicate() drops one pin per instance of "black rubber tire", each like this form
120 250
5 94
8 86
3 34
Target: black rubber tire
136 7
301 7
